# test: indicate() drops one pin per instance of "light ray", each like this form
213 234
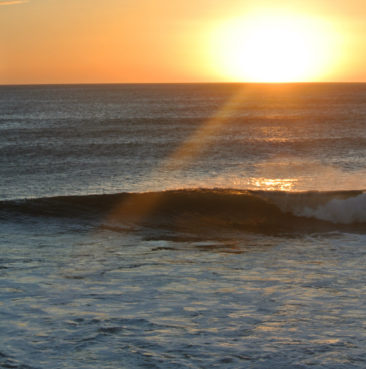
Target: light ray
137 208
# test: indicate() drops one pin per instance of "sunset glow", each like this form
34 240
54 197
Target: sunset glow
110 41
275 48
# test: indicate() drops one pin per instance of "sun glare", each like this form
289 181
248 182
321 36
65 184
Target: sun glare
273 48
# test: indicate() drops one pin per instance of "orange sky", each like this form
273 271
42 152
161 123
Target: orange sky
116 41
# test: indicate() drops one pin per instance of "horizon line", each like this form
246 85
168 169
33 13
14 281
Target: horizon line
175 83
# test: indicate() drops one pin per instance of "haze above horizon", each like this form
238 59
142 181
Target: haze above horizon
154 41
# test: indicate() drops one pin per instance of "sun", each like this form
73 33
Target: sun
273 48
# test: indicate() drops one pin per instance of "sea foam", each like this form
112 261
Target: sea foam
340 211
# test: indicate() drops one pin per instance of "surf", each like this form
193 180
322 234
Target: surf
205 210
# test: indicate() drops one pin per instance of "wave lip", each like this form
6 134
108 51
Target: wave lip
340 211
207 211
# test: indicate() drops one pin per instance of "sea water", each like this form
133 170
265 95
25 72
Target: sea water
183 226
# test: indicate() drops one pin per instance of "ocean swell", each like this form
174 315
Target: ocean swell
205 210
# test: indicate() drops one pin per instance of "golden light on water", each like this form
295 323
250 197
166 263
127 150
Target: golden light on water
186 153
273 47
274 184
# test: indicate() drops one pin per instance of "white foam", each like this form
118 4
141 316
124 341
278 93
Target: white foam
344 211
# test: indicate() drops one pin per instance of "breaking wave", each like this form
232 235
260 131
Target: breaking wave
206 210
342 211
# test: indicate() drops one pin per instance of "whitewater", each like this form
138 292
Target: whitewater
183 226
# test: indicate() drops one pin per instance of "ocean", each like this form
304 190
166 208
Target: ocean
183 226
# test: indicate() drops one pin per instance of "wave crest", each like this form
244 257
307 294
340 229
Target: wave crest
207 210
339 211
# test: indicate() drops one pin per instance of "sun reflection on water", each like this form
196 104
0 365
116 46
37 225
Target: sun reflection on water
274 184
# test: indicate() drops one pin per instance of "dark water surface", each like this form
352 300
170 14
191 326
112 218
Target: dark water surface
183 226
62 140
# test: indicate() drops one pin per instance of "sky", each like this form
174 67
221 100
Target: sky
169 41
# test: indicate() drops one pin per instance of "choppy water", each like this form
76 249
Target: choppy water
230 268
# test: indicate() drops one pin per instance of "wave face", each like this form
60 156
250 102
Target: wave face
206 210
